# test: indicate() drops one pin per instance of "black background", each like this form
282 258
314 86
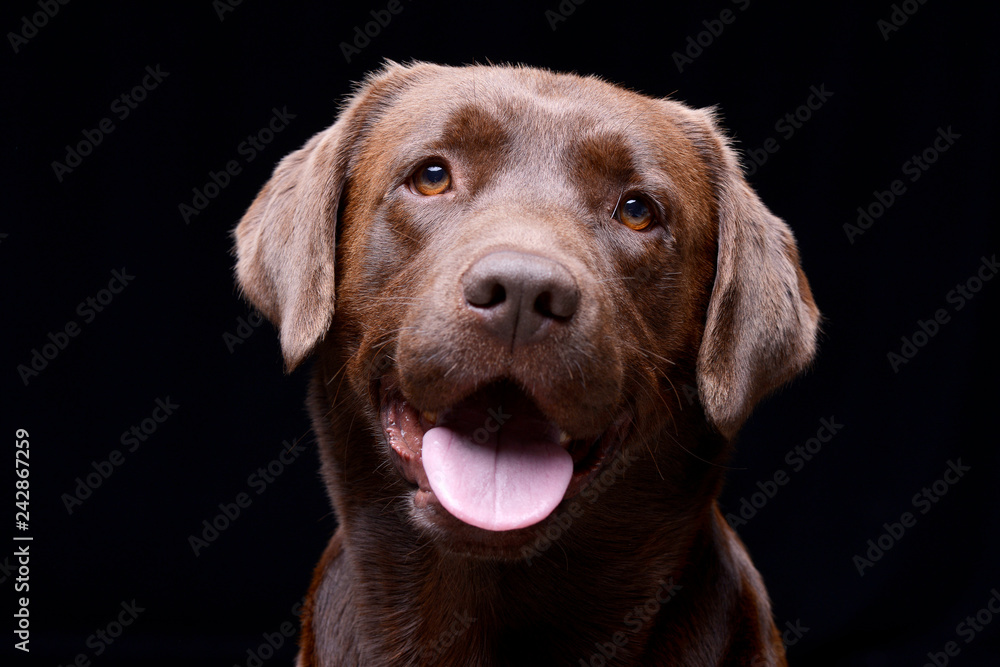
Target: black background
163 335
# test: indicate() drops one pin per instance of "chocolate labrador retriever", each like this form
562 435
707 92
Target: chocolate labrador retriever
511 281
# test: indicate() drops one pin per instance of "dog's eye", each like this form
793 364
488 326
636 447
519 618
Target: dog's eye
634 212
431 179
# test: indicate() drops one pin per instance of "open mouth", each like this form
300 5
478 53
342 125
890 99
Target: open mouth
493 460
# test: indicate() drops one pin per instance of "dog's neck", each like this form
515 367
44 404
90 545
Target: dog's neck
403 596
415 598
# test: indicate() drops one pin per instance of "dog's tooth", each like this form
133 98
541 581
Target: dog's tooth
431 417
564 438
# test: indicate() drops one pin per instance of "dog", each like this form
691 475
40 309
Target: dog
539 306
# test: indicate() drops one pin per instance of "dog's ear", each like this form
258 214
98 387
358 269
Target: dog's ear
285 243
762 321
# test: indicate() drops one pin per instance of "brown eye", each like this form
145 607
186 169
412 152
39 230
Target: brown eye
431 179
634 213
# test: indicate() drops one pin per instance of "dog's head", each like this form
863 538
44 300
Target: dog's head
515 278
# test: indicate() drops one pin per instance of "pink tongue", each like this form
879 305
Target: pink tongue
503 483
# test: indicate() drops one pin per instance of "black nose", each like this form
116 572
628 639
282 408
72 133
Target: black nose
519 295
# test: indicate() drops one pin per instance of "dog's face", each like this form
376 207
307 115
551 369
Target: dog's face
533 272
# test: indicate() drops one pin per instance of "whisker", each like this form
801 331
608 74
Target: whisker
651 353
615 279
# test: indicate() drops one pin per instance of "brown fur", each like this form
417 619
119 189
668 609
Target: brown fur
712 296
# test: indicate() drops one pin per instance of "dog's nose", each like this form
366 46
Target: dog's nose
519 295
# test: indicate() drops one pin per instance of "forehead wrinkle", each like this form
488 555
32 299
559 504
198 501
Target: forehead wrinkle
432 125
608 156
627 148
473 131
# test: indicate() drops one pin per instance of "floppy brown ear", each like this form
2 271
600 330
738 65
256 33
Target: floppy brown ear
285 243
762 322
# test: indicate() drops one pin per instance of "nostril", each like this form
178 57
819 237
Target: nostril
485 293
497 296
557 304
543 306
